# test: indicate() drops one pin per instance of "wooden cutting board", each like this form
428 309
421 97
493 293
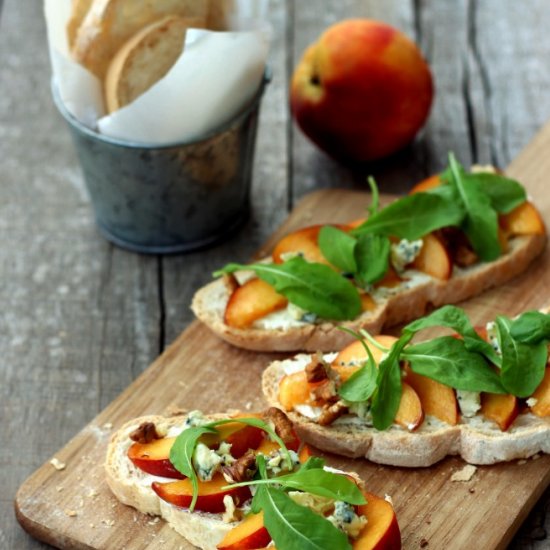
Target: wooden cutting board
72 507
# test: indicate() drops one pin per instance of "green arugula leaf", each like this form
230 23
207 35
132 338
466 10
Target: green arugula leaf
387 396
372 258
313 462
375 201
361 385
317 482
504 193
481 221
523 365
181 455
413 216
314 287
531 327
447 360
338 247
295 527
454 318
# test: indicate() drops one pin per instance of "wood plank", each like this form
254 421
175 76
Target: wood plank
214 376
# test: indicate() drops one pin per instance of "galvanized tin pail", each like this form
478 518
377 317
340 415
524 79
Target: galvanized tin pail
171 198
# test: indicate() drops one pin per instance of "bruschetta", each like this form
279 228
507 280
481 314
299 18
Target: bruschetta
454 236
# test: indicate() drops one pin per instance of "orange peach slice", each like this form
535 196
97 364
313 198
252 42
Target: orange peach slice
247 535
355 352
154 457
382 530
302 241
502 409
210 494
433 258
252 301
410 414
426 184
523 220
542 395
437 399
294 389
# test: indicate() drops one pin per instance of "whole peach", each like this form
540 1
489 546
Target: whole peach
362 91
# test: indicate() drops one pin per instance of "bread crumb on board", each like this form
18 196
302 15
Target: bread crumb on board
464 474
57 464
71 513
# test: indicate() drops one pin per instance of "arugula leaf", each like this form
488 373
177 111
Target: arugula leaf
313 287
313 462
481 221
361 384
317 482
531 327
504 193
338 248
372 258
181 456
447 360
375 201
453 317
413 216
386 398
295 527
523 365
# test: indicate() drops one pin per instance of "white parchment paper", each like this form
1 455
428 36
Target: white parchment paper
215 77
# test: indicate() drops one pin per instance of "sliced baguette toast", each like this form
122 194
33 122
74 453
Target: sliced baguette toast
108 24
375 522
209 304
133 487
145 58
476 439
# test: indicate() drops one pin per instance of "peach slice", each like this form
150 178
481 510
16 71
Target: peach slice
542 395
294 389
356 353
367 302
382 530
426 184
410 414
247 535
210 494
437 399
251 301
502 409
154 457
303 241
523 220
390 280
434 258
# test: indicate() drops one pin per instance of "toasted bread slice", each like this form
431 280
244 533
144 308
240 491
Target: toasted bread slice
475 439
110 23
79 9
132 487
406 302
145 58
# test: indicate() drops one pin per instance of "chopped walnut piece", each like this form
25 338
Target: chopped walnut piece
316 369
242 469
325 392
282 425
464 256
145 433
331 413
230 282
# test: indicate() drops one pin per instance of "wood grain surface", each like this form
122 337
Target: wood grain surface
81 319
73 508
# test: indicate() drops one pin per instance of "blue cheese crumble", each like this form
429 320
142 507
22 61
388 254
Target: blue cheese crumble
208 461
196 418
493 336
345 519
469 402
278 461
404 252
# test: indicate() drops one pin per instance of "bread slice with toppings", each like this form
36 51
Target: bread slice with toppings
138 452
416 293
433 420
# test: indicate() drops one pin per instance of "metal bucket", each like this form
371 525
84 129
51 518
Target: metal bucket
171 198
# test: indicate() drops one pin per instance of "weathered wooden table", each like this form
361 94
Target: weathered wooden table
80 319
